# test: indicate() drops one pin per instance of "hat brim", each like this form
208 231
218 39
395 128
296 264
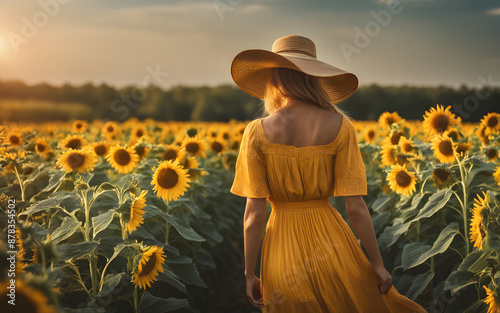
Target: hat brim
252 69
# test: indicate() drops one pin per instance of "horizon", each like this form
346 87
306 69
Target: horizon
422 43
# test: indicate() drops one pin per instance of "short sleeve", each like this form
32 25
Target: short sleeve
349 175
250 178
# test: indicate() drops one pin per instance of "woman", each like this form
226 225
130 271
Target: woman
297 157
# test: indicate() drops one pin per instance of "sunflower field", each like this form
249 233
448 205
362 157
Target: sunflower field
102 216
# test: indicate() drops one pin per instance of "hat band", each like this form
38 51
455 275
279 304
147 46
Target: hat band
297 55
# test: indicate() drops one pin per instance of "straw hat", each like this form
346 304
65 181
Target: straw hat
252 69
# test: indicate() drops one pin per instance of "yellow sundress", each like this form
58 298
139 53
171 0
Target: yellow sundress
310 259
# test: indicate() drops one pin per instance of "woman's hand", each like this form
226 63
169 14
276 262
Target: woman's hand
385 282
254 291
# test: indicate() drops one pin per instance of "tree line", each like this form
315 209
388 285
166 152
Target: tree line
225 102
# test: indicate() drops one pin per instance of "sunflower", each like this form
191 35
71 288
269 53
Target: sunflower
28 299
496 175
195 146
444 148
454 134
463 147
492 154
42 146
79 126
229 160
150 264
173 152
491 300
122 159
137 212
141 150
217 146
439 120
441 177
73 142
388 155
477 229
139 132
100 148
14 138
82 160
170 180
482 134
189 162
110 130
401 181
406 145
491 122
386 119
370 134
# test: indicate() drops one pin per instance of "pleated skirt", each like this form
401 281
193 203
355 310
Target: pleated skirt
312 262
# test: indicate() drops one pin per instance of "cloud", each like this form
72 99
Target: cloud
493 11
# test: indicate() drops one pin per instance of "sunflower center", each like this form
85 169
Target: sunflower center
453 135
78 126
100 149
395 138
491 153
74 144
75 160
235 145
225 135
371 134
407 147
149 266
441 175
192 147
440 123
167 178
446 148
40 147
390 121
170 154
110 129
492 121
403 179
14 140
140 151
192 132
216 146
122 157
139 133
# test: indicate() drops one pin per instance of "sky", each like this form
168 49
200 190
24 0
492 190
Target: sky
192 42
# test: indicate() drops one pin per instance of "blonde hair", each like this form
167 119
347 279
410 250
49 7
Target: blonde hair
287 83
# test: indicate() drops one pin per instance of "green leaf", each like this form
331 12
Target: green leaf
152 304
392 233
381 203
179 224
105 187
435 203
169 277
56 177
470 259
186 273
414 205
77 250
102 221
481 263
417 253
110 283
419 284
458 280
47 204
68 227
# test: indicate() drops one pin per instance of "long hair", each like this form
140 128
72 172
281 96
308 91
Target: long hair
287 83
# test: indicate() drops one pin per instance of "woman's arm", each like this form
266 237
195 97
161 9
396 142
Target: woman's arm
362 223
254 221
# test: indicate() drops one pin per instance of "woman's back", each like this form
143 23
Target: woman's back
302 124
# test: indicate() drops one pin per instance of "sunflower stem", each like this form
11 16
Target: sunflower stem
21 182
93 274
463 176
136 304
167 224
87 215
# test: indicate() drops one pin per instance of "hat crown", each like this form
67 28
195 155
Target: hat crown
295 44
